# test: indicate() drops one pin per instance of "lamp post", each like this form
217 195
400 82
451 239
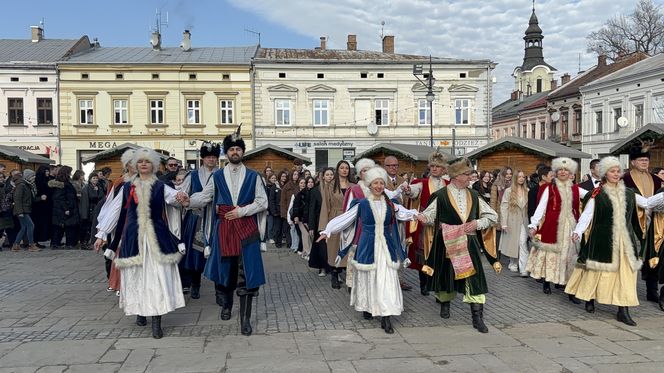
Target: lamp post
417 71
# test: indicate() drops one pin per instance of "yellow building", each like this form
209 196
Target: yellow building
534 75
164 98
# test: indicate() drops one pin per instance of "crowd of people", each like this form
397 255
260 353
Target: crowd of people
363 226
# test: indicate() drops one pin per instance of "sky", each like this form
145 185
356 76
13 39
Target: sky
470 29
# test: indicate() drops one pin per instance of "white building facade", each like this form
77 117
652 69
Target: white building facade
620 103
332 104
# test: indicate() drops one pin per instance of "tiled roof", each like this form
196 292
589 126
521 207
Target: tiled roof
510 107
653 63
651 131
572 88
18 51
171 55
346 56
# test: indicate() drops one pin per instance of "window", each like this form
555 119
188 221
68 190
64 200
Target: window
382 111
461 110
226 77
192 76
321 112
364 75
86 111
598 121
44 111
226 111
320 76
617 113
462 75
564 121
282 75
14 79
539 85
542 131
533 130
577 121
193 112
120 112
524 131
119 76
638 115
282 112
380 75
424 114
43 79
156 111
85 76
15 106
155 76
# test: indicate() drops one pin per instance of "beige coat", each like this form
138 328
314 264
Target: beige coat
331 207
514 218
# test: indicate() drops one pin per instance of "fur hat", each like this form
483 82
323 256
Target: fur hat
234 139
150 155
437 159
210 148
564 163
458 166
607 163
364 163
374 173
127 156
636 152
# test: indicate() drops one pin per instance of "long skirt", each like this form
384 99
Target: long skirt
377 291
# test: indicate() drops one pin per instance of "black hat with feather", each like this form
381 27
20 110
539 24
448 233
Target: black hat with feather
234 139
210 148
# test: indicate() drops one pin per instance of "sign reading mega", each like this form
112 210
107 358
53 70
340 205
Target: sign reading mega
102 144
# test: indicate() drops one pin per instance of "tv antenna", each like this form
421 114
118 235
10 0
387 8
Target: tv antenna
382 29
158 23
255 33
41 25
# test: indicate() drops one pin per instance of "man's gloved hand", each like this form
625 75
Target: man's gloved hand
207 251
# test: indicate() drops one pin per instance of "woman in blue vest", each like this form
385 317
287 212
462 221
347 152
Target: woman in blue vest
379 252
149 252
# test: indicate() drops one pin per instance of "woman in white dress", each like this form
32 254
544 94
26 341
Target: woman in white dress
149 251
379 252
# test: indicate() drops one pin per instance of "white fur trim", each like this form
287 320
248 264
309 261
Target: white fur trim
563 162
607 163
150 155
375 173
364 163
127 156
146 228
562 237
619 232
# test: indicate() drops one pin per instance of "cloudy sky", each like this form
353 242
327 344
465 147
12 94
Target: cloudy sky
483 29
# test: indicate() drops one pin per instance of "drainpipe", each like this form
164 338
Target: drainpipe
252 82
488 102
57 105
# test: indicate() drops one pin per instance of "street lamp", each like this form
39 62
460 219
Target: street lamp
417 71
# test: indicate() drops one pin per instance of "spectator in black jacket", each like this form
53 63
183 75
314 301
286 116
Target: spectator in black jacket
301 215
42 207
65 217
280 227
270 182
24 193
91 194
318 256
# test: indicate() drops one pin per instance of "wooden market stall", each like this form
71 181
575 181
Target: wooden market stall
522 154
15 158
272 156
111 158
651 132
413 159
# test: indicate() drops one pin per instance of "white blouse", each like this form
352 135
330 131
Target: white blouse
541 207
655 202
344 220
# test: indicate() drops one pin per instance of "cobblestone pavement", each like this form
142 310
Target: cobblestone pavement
56 315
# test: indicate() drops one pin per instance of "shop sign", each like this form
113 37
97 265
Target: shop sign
348 154
102 144
31 148
324 144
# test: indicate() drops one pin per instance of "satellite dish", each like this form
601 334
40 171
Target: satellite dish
622 122
555 116
372 128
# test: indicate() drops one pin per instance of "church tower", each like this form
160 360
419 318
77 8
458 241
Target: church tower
534 75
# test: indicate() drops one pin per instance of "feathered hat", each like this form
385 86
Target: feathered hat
564 163
641 151
437 158
234 139
608 163
210 148
459 166
150 155
374 173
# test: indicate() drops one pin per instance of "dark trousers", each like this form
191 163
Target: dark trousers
280 230
84 232
71 232
190 278
236 282
108 263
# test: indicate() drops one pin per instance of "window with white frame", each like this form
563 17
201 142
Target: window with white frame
617 113
598 122
226 111
193 111
86 110
542 130
282 112
462 111
382 112
321 112
638 115
533 130
120 111
424 114
156 111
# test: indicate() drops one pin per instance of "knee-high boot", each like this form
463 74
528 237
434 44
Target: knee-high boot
245 314
624 317
477 311
157 333
652 291
423 284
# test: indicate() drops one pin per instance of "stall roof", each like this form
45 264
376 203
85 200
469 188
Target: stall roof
118 150
23 156
651 131
546 147
408 151
253 153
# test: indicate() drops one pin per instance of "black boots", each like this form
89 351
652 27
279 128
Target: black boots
334 278
546 288
651 291
423 284
245 314
386 324
227 306
445 310
477 311
624 317
590 306
367 315
195 292
157 333
141 320
573 299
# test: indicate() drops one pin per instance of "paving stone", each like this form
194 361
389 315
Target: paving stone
96 368
278 364
410 365
194 363
56 353
8 346
550 329
605 330
52 369
653 350
137 343
137 360
524 359
114 356
564 347
341 367
574 365
19 370
632 367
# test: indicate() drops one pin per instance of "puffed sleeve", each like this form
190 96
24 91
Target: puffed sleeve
106 223
586 218
541 209
341 222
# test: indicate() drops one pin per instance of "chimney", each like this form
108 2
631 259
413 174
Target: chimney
564 79
37 33
323 43
513 96
352 42
186 41
601 60
388 44
554 84
155 40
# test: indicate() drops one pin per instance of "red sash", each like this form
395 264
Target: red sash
232 233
